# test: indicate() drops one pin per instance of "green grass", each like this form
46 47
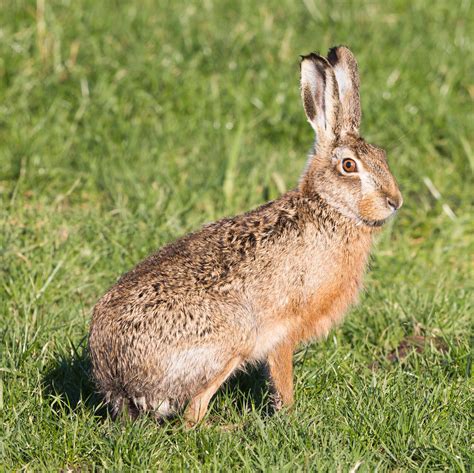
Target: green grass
124 127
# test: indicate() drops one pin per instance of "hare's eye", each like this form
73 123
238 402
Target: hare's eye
349 165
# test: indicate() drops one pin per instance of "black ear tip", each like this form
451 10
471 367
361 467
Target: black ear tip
332 55
337 52
339 46
311 56
320 62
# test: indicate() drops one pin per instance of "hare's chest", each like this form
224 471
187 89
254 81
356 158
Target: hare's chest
324 308
330 286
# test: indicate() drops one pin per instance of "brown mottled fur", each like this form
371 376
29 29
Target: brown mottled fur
252 287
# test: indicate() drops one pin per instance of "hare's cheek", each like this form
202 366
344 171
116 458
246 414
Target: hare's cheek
372 207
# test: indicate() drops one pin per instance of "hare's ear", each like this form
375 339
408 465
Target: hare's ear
347 75
320 97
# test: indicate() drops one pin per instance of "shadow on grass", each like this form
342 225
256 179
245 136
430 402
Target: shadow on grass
248 390
69 379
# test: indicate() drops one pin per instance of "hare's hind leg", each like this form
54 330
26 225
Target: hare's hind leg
197 407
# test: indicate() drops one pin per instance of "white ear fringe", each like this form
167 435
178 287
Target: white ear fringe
343 80
312 79
309 76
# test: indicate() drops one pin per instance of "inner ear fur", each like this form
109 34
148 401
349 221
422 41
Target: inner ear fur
320 96
346 71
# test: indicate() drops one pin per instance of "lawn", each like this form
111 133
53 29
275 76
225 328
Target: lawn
124 125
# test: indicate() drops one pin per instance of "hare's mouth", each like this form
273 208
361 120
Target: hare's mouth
374 223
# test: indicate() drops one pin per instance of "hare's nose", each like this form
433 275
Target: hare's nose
395 202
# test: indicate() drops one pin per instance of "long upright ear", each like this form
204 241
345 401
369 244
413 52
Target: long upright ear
320 97
347 75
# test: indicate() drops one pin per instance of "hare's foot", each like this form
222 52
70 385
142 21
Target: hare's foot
122 409
280 370
197 407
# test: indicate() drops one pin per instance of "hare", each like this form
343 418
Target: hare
252 287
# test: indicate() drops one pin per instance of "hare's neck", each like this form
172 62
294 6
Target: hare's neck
317 212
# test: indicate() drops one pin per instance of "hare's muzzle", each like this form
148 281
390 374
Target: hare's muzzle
394 202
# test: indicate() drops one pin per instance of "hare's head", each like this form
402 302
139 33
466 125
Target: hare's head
348 173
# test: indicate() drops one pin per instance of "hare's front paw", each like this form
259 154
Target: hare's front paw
278 402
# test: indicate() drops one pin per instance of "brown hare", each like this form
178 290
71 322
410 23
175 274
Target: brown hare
252 287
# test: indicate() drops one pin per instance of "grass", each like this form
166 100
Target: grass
126 125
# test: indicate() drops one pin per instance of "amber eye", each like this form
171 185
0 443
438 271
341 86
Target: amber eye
349 165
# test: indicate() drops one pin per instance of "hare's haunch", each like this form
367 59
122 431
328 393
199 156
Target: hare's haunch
251 287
